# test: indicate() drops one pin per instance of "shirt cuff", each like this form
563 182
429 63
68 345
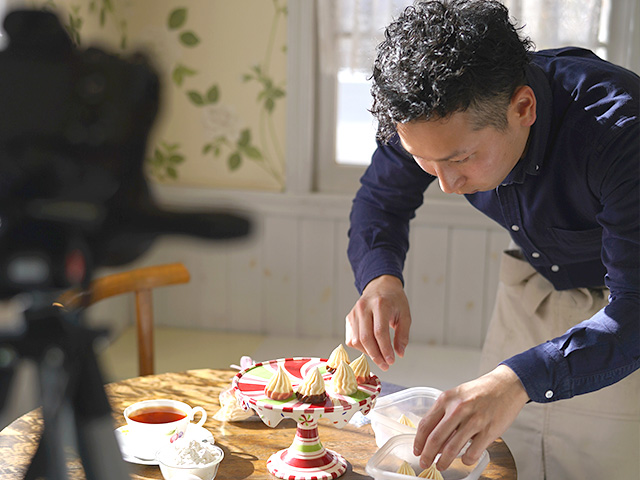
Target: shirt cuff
544 373
374 264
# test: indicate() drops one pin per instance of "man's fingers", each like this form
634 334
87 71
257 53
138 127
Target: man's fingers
372 348
479 443
381 341
451 448
401 335
382 305
359 334
425 428
351 332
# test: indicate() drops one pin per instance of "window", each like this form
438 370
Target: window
344 33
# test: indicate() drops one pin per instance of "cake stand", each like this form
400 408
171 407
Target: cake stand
306 458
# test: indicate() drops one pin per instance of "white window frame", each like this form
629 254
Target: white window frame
311 166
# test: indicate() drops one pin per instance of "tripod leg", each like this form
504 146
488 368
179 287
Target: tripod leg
97 444
50 459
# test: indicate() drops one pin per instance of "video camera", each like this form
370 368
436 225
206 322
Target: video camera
74 126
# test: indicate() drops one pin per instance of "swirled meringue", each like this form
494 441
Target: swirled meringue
432 472
338 355
312 389
279 386
406 469
344 380
360 367
404 420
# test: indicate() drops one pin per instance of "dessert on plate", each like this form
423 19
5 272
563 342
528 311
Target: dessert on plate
279 387
344 380
338 355
360 367
312 389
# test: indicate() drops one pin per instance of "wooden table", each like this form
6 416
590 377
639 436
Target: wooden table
247 445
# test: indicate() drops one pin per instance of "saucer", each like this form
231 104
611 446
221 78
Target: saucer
127 448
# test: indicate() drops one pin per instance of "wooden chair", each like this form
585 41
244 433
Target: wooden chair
140 281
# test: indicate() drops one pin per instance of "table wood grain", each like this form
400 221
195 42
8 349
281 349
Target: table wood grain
247 445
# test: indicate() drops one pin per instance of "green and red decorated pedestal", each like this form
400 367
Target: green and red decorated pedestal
306 458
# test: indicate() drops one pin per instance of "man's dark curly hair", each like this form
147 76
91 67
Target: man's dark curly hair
441 57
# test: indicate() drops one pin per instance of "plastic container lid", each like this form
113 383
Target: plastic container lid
414 403
384 464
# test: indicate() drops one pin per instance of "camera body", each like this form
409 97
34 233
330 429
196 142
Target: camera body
73 134
74 126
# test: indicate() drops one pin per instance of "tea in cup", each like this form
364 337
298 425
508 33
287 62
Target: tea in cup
155 423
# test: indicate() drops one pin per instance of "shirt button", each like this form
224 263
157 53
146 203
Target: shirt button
515 228
548 394
537 167
555 268
535 255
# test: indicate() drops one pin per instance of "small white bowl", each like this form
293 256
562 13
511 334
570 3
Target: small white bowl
205 471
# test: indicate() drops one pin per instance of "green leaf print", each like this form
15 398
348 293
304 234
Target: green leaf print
245 138
189 39
213 94
177 18
180 73
195 98
234 161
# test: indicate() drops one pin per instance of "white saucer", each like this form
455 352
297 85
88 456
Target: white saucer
193 432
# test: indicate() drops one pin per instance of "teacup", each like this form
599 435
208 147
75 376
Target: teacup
155 423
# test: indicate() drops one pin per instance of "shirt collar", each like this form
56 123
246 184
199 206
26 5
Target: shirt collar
532 161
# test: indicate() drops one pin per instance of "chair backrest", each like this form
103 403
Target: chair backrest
140 281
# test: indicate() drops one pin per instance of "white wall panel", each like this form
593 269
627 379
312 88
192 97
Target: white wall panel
426 282
280 280
346 293
203 302
208 291
317 279
465 288
293 277
246 287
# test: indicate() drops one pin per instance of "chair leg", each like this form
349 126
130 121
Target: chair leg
144 319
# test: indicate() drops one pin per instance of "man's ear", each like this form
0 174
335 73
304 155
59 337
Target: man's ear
523 105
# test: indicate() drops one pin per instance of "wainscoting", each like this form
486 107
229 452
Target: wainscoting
292 276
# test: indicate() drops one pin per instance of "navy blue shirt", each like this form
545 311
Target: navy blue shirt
572 204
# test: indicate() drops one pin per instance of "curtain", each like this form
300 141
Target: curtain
350 30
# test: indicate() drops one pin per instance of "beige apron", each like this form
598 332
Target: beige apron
592 436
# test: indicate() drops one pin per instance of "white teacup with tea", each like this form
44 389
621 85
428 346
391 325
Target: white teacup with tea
155 423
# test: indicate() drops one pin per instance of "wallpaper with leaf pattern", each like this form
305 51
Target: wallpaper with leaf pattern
222 65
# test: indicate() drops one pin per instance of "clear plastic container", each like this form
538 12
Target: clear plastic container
412 402
384 464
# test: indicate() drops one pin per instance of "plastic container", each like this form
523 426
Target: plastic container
412 402
384 464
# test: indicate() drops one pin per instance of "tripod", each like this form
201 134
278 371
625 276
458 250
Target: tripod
75 409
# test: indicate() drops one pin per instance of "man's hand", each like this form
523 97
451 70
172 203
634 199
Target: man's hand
480 410
383 305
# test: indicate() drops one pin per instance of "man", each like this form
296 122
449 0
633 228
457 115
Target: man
547 145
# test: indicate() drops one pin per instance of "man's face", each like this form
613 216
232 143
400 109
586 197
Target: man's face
464 159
